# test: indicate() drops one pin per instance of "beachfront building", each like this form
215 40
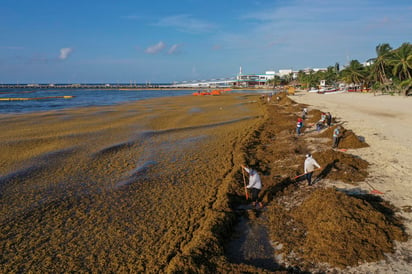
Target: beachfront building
285 72
244 80
253 80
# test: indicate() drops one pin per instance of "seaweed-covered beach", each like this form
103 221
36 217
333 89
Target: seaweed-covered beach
156 186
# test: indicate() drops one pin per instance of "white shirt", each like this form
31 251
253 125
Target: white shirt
254 179
310 164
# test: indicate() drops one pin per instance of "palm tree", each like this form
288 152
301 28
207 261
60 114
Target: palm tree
275 81
405 87
308 79
402 62
354 73
330 75
381 62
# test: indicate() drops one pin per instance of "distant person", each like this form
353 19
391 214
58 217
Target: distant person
323 118
255 185
299 126
328 119
337 134
309 166
321 123
304 113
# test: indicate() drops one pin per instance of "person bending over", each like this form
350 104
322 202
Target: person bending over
255 185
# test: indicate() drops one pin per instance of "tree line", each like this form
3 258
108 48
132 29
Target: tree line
389 72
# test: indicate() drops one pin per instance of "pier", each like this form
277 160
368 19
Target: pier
83 86
197 84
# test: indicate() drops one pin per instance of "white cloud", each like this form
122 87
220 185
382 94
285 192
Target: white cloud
64 53
174 49
156 48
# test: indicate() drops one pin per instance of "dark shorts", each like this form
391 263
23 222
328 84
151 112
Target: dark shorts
255 194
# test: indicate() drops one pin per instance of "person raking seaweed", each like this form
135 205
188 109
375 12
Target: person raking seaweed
255 185
309 167
299 126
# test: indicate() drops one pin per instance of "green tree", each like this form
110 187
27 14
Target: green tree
402 62
405 87
330 75
381 63
355 73
275 81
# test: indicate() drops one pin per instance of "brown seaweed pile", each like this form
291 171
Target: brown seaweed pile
318 227
332 227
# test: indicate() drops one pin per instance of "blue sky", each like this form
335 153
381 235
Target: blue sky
60 41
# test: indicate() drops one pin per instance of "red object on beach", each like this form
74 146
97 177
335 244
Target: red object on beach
373 191
376 192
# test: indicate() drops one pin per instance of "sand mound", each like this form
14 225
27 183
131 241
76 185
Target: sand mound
332 227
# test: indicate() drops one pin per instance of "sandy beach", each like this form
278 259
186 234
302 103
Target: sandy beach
384 122
156 186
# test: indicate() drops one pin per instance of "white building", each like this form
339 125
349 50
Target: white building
253 80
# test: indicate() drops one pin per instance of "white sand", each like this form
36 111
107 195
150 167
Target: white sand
385 123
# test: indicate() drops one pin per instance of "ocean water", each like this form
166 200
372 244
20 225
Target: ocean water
82 98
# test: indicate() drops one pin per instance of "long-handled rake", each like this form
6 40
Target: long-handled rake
244 183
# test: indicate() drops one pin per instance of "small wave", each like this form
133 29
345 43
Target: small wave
114 148
143 168
138 171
